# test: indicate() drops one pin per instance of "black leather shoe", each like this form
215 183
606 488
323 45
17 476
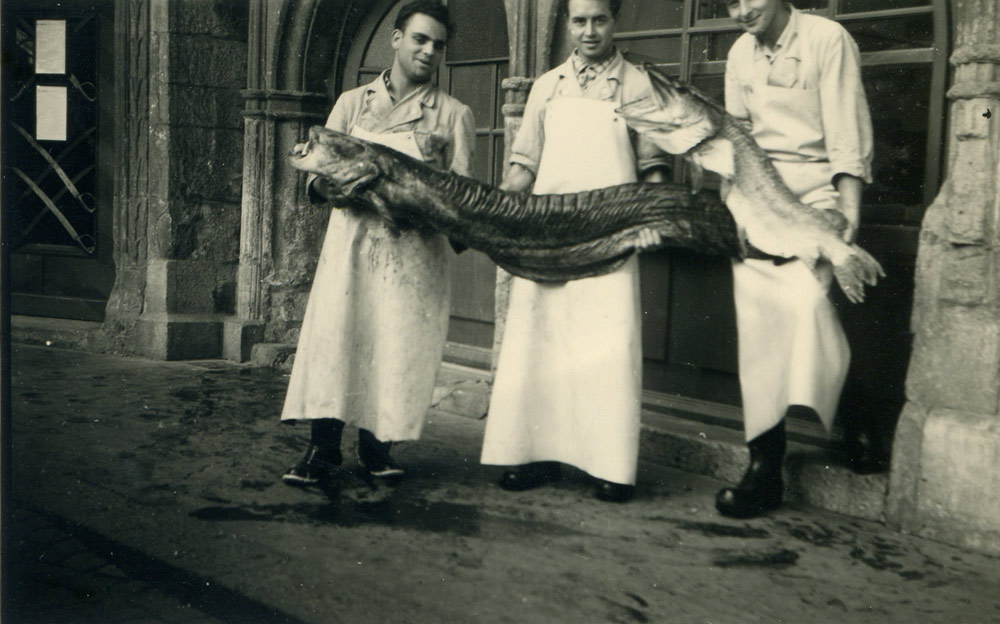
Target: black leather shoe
374 455
316 466
613 492
530 476
762 486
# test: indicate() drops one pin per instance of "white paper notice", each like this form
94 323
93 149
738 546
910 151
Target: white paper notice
50 46
50 113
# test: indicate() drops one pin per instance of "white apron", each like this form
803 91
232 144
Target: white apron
569 375
792 349
375 324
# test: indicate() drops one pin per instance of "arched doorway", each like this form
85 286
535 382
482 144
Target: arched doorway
472 71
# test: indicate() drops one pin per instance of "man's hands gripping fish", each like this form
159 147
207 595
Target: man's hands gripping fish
681 120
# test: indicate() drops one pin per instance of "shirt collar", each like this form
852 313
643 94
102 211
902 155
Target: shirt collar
425 94
611 67
785 42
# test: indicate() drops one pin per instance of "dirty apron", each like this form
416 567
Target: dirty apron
376 322
568 378
792 348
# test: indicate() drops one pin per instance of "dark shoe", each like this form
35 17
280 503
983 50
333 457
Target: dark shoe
374 456
530 476
613 492
316 466
762 486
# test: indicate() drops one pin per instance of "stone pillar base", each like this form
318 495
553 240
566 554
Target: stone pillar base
180 336
943 484
238 338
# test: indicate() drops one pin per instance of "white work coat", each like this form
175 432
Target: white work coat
377 317
808 112
569 373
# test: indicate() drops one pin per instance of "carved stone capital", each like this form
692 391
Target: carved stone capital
976 53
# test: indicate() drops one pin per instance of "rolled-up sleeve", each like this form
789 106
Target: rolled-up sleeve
463 142
847 124
527 147
735 105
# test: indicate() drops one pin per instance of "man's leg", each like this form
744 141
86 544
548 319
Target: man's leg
762 486
322 456
374 455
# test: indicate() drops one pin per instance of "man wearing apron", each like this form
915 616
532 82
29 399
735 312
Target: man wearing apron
796 78
377 317
569 373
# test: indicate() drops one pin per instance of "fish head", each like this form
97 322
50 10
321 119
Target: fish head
348 162
675 116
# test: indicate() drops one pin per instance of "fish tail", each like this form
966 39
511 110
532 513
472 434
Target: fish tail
856 270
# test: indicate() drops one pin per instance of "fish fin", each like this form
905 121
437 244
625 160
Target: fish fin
382 209
350 189
716 155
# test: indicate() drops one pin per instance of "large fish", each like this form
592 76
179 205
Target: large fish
540 237
681 120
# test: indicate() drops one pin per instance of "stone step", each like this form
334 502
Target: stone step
671 439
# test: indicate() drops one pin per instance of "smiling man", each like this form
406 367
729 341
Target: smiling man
568 380
377 317
796 79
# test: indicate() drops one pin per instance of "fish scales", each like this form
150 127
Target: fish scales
540 237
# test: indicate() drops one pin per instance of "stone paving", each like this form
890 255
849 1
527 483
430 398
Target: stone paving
161 480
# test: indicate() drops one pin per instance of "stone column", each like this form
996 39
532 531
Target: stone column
944 482
131 204
268 116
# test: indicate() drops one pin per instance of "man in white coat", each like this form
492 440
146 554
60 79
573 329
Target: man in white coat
377 317
569 373
796 78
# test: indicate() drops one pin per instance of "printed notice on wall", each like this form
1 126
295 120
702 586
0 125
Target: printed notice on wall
50 113
50 46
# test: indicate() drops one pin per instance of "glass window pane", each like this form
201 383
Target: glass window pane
480 30
481 166
652 50
712 85
712 47
714 9
858 6
471 85
639 15
898 97
503 71
915 31
498 162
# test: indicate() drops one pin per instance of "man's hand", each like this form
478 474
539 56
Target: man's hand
648 238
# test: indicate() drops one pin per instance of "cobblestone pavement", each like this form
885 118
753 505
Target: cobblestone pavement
61 572
150 492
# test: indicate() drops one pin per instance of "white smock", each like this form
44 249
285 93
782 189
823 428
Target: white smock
569 373
792 348
376 321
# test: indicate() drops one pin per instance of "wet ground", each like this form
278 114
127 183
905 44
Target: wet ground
163 478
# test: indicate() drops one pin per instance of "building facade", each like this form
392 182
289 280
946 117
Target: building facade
186 234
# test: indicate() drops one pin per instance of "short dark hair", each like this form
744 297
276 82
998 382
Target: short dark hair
614 5
431 8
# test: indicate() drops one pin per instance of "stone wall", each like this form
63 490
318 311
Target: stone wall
944 482
182 197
